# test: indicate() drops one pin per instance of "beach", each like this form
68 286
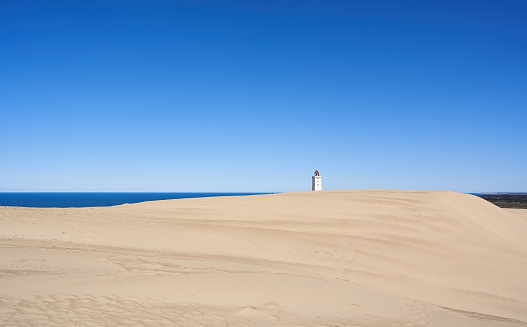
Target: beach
325 258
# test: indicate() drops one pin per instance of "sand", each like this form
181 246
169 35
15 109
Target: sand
329 258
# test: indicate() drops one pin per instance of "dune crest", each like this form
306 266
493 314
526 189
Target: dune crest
360 258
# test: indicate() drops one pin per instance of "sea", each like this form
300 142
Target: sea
93 199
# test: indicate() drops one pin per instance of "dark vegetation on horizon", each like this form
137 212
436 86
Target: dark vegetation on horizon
515 201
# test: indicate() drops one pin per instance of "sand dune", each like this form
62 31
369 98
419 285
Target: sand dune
330 258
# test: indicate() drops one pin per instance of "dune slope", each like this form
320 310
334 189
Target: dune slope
340 258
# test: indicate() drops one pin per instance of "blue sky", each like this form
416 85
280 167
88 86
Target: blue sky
255 95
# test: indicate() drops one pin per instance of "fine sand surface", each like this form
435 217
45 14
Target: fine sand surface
329 258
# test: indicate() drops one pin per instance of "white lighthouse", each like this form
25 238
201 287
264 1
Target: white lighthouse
316 184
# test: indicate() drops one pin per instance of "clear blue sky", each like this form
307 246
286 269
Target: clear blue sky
255 95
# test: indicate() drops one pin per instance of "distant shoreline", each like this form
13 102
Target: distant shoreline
515 200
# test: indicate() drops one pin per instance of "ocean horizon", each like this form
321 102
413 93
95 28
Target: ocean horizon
97 199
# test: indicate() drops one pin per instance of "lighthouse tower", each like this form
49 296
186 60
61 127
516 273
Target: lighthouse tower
316 184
